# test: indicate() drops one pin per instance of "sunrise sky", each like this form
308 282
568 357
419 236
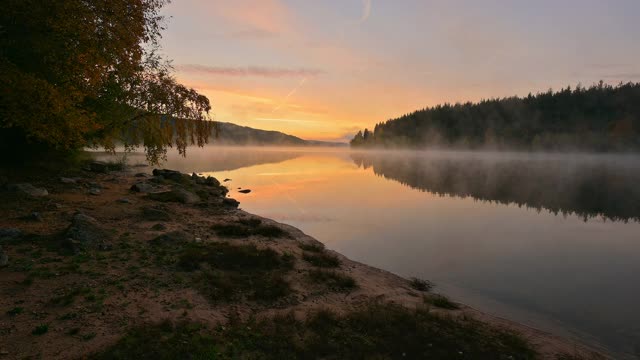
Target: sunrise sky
324 69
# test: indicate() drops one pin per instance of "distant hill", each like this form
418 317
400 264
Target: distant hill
597 118
232 134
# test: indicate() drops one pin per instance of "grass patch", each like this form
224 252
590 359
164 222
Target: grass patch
441 301
313 247
69 296
251 222
249 227
323 259
232 230
15 311
229 272
40 329
332 280
421 285
380 331
270 231
69 316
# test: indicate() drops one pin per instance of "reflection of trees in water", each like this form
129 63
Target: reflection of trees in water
587 188
221 159
212 158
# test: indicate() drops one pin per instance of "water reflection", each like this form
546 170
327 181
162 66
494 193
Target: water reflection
559 273
587 186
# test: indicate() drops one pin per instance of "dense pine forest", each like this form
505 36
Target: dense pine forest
598 118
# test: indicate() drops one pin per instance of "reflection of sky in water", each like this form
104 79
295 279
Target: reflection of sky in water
532 266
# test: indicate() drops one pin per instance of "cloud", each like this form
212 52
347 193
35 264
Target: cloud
257 71
253 33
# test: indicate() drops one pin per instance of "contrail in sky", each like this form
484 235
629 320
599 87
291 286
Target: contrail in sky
290 94
366 10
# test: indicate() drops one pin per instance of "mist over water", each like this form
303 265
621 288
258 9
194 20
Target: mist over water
549 240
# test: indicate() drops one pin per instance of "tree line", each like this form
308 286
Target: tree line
601 117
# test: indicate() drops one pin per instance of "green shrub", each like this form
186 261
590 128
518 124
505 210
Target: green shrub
332 280
441 301
325 260
421 285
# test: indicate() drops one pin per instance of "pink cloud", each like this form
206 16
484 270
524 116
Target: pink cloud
259 71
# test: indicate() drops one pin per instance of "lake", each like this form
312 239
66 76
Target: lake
548 240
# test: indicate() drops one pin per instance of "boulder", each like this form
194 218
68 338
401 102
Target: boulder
230 202
172 238
245 191
28 189
142 187
95 185
172 175
10 234
153 214
157 179
177 194
34 216
66 180
211 181
86 233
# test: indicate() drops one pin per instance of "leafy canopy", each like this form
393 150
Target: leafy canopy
78 73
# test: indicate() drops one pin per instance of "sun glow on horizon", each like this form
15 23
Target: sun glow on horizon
324 70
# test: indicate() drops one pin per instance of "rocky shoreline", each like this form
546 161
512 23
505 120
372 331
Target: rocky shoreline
88 256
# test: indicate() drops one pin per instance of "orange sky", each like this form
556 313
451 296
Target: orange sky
324 69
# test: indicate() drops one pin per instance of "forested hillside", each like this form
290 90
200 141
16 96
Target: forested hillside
599 118
232 134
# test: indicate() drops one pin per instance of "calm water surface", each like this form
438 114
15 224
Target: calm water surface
552 241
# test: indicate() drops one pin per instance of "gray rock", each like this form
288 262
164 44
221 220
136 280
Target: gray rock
143 187
172 238
86 233
98 166
230 202
94 191
172 175
95 185
34 216
28 189
66 180
124 201
177 194
153 214
157 179
9 234
211 181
